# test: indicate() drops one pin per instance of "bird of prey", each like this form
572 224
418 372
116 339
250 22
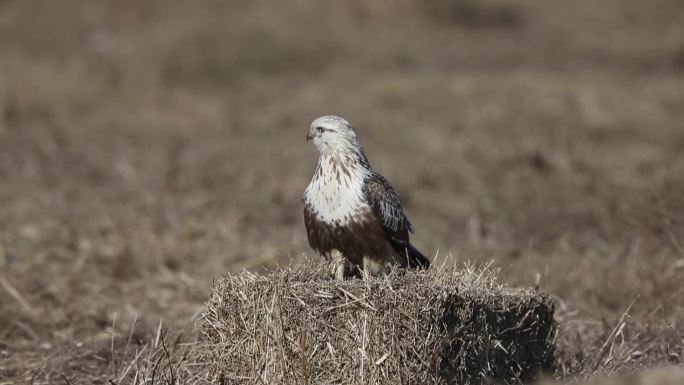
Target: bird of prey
350 210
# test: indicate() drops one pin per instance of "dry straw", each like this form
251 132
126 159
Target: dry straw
299 326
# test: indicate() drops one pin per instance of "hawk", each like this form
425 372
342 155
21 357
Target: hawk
351 210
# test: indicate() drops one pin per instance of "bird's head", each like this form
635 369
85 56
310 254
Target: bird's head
331 133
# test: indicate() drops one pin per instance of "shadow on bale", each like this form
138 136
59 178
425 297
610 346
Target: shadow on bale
495 339
298 326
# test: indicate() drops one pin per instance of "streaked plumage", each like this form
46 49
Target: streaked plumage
351 209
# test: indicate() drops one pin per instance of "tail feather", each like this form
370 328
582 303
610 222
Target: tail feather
416 259
409 256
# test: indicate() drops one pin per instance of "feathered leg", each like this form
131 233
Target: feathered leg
338 265
372 268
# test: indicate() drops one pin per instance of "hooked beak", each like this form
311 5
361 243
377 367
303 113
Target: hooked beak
309 137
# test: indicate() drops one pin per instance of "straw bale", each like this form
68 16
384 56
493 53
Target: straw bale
299 326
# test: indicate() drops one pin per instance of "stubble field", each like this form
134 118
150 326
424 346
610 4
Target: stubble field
147 148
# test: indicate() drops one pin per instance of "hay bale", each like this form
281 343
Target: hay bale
298 326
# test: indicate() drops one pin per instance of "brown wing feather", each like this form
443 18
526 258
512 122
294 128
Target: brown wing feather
384 202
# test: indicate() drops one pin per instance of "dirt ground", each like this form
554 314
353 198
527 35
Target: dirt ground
147 148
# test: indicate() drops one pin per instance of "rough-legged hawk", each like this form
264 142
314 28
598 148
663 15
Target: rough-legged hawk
351 210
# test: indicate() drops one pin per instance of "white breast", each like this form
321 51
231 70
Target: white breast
336 196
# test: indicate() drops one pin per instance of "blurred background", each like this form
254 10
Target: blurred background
147 147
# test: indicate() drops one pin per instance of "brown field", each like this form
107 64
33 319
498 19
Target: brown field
147 148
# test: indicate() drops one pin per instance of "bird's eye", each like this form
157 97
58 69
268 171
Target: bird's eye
320 129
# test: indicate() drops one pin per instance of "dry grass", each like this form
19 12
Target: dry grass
300 326
146 148
659 376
